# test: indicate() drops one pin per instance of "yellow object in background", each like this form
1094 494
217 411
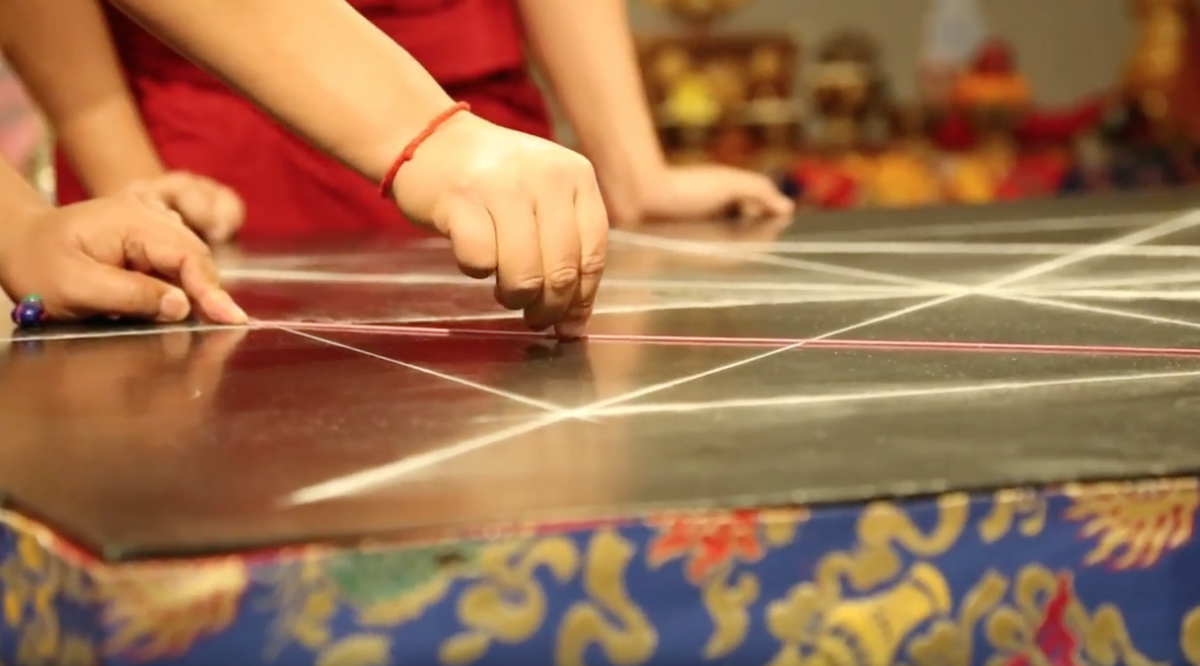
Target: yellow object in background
902 179
692 101
974 179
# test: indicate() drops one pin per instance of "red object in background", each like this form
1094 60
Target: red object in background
1035 175
826 185
995 57
473 48
954 132
1038 126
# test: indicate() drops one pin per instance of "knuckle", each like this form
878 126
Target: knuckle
562 278
473 186
554 172
200 250
558 170
592 265
583 167
188 242
531 284
134 195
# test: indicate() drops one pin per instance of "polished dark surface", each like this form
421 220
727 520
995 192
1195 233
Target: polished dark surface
836 359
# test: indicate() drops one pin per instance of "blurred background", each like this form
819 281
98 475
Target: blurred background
900 103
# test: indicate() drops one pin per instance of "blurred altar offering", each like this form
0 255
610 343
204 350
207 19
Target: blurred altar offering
829 130
725 98
1161 82
993 99
848 100
907 170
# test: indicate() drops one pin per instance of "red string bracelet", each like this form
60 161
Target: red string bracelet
385 185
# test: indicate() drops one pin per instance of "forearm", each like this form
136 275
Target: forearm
19 201
65 57
109 149
586 50
317 66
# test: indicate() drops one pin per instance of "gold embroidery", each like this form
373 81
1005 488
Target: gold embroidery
949 641
875 560
819 626
33 581
728 606
779 526
817 622
1044 602
634 639
303 602
1189 637
712 545
356 650
1027 509
508 604
158 613
1134 524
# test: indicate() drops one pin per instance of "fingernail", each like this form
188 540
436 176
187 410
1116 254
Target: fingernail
570 330
174 306
574 325
231 313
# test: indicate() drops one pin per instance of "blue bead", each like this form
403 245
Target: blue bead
28 314
789 186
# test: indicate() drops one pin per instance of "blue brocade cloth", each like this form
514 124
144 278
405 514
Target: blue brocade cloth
1098 575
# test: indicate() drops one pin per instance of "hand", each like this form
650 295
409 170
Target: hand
524 209
711 191
116 256
213 211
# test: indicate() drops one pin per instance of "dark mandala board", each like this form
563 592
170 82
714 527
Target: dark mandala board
839 359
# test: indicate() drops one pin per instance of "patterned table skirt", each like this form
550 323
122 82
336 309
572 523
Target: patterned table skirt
1096 575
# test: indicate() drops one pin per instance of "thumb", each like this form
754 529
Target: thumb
106 290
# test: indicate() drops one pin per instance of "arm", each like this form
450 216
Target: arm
19 202
586 50
317 66
66 60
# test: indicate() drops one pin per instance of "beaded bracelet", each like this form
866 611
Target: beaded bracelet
29 312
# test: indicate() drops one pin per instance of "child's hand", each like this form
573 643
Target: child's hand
705 192
212 210
122 255
524 209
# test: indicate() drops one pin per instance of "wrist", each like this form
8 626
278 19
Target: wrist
378 151
627 190
16 219
436 124
16 223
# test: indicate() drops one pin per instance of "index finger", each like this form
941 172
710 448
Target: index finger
171 250
592 218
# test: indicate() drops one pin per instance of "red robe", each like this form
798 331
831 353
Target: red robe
472 47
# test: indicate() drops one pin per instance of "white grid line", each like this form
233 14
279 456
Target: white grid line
490 390
369 479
